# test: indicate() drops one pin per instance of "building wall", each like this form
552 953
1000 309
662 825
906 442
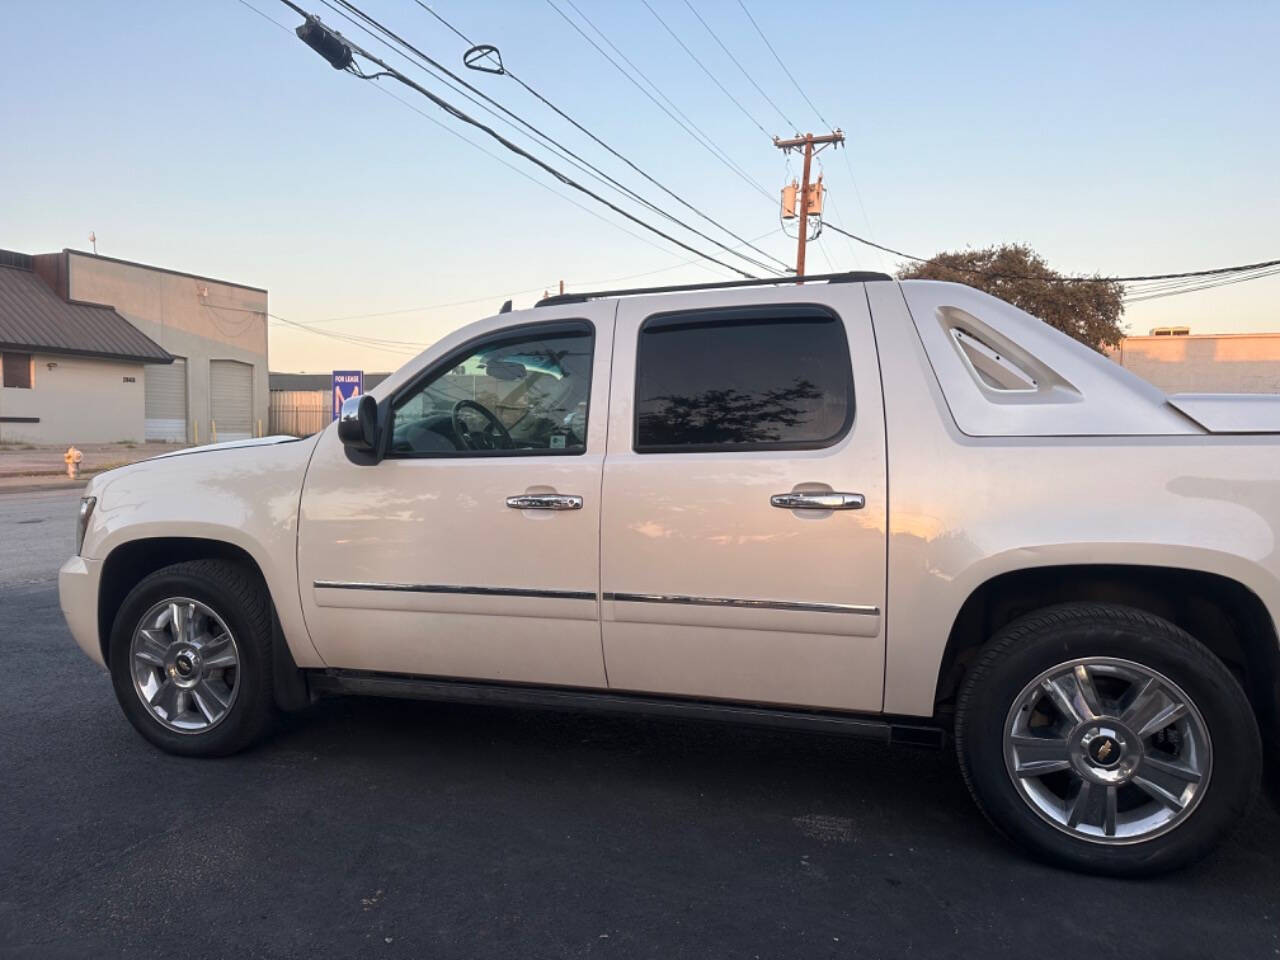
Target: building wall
77 400
191 317
1227 363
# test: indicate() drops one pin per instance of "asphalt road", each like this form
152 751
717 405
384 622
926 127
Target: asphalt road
37 533
402 829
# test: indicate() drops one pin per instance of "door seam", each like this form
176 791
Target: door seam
604 463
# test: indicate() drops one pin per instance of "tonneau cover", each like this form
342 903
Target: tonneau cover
1231 412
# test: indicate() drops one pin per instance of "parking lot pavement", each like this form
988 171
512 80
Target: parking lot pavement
404 829
37 533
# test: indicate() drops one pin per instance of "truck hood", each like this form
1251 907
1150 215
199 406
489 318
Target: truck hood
229 445
246 491
236 462
1231 412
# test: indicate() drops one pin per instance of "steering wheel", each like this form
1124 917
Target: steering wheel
479 441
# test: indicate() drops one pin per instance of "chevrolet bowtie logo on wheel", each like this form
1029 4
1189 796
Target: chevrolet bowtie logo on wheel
1103 751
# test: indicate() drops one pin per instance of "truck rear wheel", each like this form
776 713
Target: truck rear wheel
1105 739
190 658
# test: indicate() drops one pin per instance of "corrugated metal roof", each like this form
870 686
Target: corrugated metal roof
317 381
34 318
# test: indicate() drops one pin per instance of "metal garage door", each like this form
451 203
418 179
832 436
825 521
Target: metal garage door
166 400
231 399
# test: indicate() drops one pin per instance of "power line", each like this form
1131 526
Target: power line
493 156
785 69
497 297
1195 287
1215 271
338 335
783 65
264 16
872 243
689 127
750 79
515 148
528 176
458 33
390 346
398 346
696 261
674 36
858 194
1196 279
582 164
561 113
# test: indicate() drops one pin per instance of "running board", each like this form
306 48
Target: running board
884 730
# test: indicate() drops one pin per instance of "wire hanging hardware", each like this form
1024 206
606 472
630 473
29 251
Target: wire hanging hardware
483 57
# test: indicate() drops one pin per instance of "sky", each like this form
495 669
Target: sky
1129 138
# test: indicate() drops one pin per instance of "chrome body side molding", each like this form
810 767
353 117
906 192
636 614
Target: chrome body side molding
457 590
855 608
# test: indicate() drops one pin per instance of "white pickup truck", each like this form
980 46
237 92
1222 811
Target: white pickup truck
897 510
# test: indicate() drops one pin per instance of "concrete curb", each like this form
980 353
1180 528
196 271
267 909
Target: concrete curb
38 484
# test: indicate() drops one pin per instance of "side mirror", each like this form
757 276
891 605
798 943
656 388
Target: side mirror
358 423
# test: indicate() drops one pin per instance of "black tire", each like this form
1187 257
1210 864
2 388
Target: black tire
240 599
1038 642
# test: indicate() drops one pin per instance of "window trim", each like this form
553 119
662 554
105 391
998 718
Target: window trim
31 370
716 315
514 334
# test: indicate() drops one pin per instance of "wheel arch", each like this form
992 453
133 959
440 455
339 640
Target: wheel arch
1222 613
129 562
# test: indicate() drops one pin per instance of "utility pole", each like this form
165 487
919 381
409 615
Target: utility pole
806 201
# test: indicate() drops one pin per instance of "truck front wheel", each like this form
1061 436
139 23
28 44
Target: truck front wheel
1105 739
190 658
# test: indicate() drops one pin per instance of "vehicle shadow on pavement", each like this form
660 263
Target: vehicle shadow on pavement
408 829
901 814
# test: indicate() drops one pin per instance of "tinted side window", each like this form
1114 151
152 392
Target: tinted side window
761 378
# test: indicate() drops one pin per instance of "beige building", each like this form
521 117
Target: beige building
199 370
69 372
1205 363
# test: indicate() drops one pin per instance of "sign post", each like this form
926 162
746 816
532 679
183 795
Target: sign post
346 384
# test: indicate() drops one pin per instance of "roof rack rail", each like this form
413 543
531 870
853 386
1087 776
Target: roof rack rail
855 276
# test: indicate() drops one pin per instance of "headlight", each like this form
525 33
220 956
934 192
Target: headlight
82 520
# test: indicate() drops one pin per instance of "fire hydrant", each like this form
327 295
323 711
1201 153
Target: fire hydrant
73 458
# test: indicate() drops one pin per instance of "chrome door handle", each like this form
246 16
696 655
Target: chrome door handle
545 501
818 501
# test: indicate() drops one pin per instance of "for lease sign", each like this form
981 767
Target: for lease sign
346 384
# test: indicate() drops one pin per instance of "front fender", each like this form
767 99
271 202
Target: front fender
245 497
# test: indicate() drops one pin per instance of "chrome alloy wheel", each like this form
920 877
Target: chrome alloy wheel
1107 750
185 665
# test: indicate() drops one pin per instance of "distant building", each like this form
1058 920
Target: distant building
69 372
302 403
195 350
1178 361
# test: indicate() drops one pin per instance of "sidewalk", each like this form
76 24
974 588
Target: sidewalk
25 467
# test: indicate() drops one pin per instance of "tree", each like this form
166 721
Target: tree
1015 273
728 416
